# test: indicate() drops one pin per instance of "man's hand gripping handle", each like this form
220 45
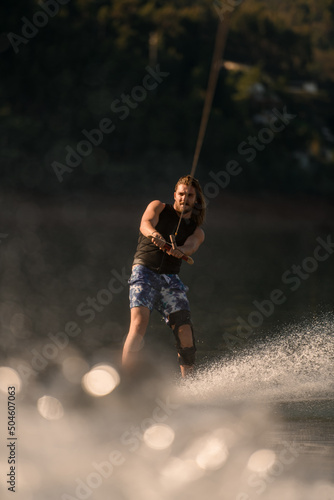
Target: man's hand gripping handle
164 245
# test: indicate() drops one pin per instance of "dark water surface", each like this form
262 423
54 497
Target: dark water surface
257 420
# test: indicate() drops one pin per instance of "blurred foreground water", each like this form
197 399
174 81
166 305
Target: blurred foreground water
256 421
256 426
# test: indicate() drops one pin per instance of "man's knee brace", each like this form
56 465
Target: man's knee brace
175 320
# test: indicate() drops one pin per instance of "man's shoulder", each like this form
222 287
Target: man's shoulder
157 205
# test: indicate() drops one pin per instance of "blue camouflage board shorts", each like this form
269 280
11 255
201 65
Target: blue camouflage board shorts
164 292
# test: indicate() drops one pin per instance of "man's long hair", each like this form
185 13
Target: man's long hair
199 210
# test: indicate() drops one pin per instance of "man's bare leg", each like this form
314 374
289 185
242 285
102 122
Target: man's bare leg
139 321
186 340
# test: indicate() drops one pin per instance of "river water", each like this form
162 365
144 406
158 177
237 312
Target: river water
256 421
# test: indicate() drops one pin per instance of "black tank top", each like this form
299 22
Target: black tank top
151 256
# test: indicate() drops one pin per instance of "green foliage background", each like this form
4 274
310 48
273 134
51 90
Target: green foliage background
64 79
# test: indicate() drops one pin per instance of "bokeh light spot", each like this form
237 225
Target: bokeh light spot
261 460
9 378
213 454
159 436
100 380
50 408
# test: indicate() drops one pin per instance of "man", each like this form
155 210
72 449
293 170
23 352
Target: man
154 282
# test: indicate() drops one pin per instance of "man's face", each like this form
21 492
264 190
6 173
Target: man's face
180 195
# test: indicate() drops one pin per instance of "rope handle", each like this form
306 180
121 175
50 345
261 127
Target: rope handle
168 246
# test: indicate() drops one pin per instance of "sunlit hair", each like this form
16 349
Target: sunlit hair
199 210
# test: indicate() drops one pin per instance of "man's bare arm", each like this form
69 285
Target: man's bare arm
149 220
150 217
193 242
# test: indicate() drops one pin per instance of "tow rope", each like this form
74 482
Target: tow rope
220 42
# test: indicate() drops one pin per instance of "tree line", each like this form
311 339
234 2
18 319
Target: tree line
67 65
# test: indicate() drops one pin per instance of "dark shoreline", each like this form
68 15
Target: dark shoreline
226 210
